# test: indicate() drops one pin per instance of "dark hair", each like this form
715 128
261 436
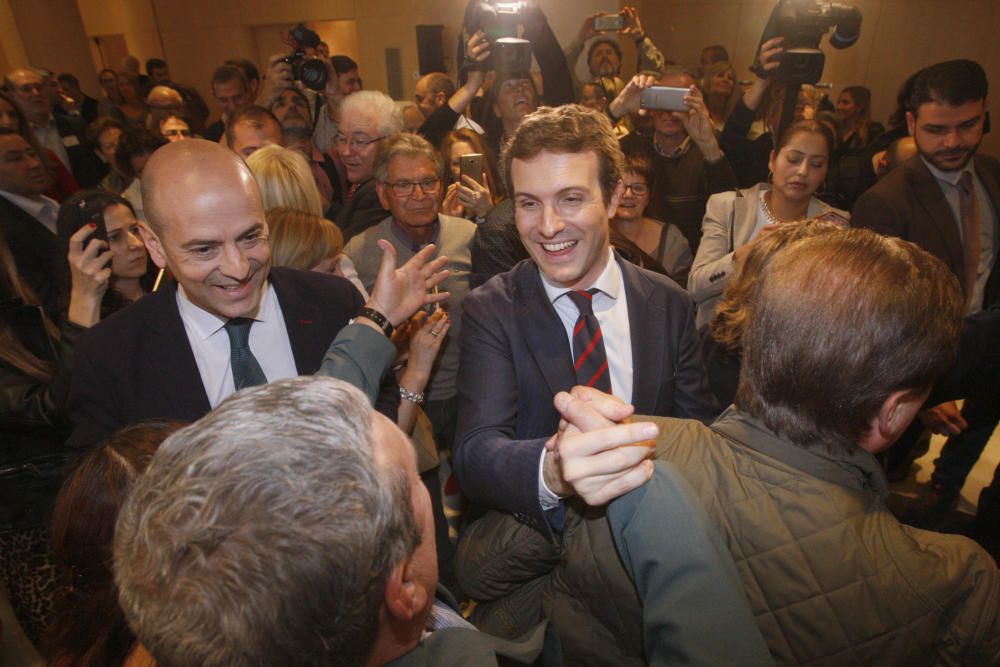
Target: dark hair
343 64
66 77
106 69
253 112
862 98
953 82
641 164
839 322
570 128
604 40
898 116
135 141
12 350
100 125
155 63
807 127
249 70
74 213
89 627
227 73
716 53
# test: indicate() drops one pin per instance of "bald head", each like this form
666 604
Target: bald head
182 177
165 98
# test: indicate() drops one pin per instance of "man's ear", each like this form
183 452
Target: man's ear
404 598
911 122
616 197
893 418
383 198
153 245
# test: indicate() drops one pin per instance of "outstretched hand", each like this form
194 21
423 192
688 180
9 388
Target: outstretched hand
399 292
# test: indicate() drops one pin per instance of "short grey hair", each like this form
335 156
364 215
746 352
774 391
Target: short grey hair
377 106
405 144
264 533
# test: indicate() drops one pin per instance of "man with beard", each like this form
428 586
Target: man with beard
291 108
945 199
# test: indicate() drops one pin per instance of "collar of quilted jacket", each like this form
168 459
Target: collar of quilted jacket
855 469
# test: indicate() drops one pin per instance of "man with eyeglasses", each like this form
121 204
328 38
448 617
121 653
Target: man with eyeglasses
367 118
407 177
63 135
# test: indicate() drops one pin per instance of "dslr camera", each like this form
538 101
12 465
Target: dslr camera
500 21
310 71
803 23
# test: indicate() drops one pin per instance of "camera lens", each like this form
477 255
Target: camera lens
313 74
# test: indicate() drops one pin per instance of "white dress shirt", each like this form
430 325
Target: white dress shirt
48 136
611 309
948 182
42 208
210 343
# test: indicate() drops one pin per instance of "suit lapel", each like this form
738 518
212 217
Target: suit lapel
928 193
991 179
541 329
647 329
170 360
302 320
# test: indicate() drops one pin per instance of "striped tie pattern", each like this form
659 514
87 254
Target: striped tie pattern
590 358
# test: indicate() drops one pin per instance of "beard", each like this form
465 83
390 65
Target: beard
943 159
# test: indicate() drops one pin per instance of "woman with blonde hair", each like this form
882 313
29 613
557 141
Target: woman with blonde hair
304 241
285 180
718 86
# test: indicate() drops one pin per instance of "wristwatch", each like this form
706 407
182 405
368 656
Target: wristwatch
378 318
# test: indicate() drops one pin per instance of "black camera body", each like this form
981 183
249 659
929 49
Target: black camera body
500 21
803 23
310 71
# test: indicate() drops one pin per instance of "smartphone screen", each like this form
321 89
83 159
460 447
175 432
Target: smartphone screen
612 22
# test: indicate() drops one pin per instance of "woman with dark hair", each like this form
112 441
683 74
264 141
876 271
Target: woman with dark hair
36 358
62 182
130 270
465 197
89 628
735 220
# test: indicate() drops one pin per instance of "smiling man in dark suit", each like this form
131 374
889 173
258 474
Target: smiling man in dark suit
230 321
574 313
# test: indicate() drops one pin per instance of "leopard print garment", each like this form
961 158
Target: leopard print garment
28 571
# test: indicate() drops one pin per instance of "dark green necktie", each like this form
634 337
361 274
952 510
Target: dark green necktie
246 370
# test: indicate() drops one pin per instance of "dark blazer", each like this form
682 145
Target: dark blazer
516 357
138 364
35 250
908 203
361 211
83 162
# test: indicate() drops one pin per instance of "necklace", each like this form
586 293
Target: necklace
771 217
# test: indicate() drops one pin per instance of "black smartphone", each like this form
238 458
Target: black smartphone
664 98
471 165
612 22
96 219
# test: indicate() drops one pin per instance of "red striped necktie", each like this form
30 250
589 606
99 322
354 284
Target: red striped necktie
590 358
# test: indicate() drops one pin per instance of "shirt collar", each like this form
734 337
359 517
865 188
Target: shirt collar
42 209
677 152
949 177
609 282
404 237
205 324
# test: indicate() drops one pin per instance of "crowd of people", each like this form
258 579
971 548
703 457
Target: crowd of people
517 372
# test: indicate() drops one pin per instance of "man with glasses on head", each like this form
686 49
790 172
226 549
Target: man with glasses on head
367 118
407 176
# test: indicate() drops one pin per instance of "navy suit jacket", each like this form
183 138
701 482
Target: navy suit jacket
516 358
138 364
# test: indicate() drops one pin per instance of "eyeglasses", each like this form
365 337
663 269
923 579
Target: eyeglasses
354 142
428 186
638 189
